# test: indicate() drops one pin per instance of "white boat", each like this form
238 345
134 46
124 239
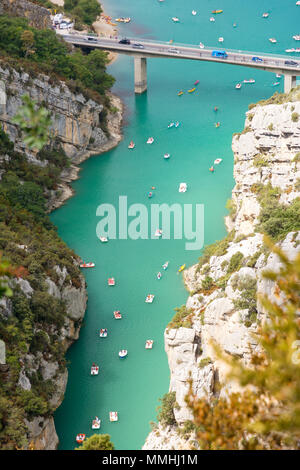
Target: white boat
131 145
159 275
167 155
194 12
238 86
251 80
149 299
103 333
123 353
150 140
265 15
273 40
113 416
212 19
298 2
94 370
165 266
182 187
111 281
103 239
201 45
278 75
175 19
221 39
172 124
177 124
296 37
117 315
149 344
87 265
217 161
290 50
96 423
158 233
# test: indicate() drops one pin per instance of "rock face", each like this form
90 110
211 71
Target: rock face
37 16
272 135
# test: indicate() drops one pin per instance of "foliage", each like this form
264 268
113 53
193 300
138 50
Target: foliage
182 318
235 262
266 416
84 11
247 285
166 411
295 117
97 442
218 248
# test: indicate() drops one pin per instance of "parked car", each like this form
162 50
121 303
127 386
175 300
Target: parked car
257 59
138 46
291 62
124 41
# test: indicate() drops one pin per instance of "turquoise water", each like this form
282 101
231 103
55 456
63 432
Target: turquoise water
133 386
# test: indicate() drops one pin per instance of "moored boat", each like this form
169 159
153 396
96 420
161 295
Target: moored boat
149 299
149 344
113 416
103 333
96 423
123 353
87 265
117 315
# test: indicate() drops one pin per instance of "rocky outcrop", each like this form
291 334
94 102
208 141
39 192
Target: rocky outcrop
265 153
37 16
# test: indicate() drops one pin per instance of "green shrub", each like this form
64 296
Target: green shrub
182 318
295 117
166 410
235 262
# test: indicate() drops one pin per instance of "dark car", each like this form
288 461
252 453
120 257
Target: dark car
257 59
138 46
89 38
291 62
124 41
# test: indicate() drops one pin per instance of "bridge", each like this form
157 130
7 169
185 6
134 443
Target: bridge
142 49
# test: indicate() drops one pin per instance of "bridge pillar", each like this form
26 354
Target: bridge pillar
140 74
289 82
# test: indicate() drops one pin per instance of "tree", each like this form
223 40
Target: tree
97 442
27 38
266 416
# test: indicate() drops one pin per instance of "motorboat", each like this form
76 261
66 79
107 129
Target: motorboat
180 93
87 265
159 275
182 187
149 344
111 281
149 299
96 423
194 12
182 267
103 239
201 45
131 145
123 353
94 369
177 124
251 80
172 124
175 19
150 140
80 438
265 15
103 333
296 37
192 90
113 416
167 155
158 232
212 19
221 39
117 315
165 266
238 86
217 161
273 40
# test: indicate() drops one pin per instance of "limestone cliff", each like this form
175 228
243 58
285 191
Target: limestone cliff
266 156
37 16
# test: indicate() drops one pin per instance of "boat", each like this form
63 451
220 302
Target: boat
298 2
131 145
238 86
221 39
123 353
278 75
150 194
196 82
158 232
149 344
123 20
177 124
149 299
117 315
290 50
273 40
234 25
201 45
103 333
167 155
296 37
212 19
175 19
211 169
194 12
159 275
217 124
217 161
182 267
87 265
180 93
165 266
103 239
265 15
172 124
111 281
182 187
94 369
113 416
251 80
96 423
192 90
80 438
150 140
215 12
275 83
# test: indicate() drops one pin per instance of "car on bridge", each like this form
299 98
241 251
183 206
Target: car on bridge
174 51
291 62
124 41
221 54
256 59
138 46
